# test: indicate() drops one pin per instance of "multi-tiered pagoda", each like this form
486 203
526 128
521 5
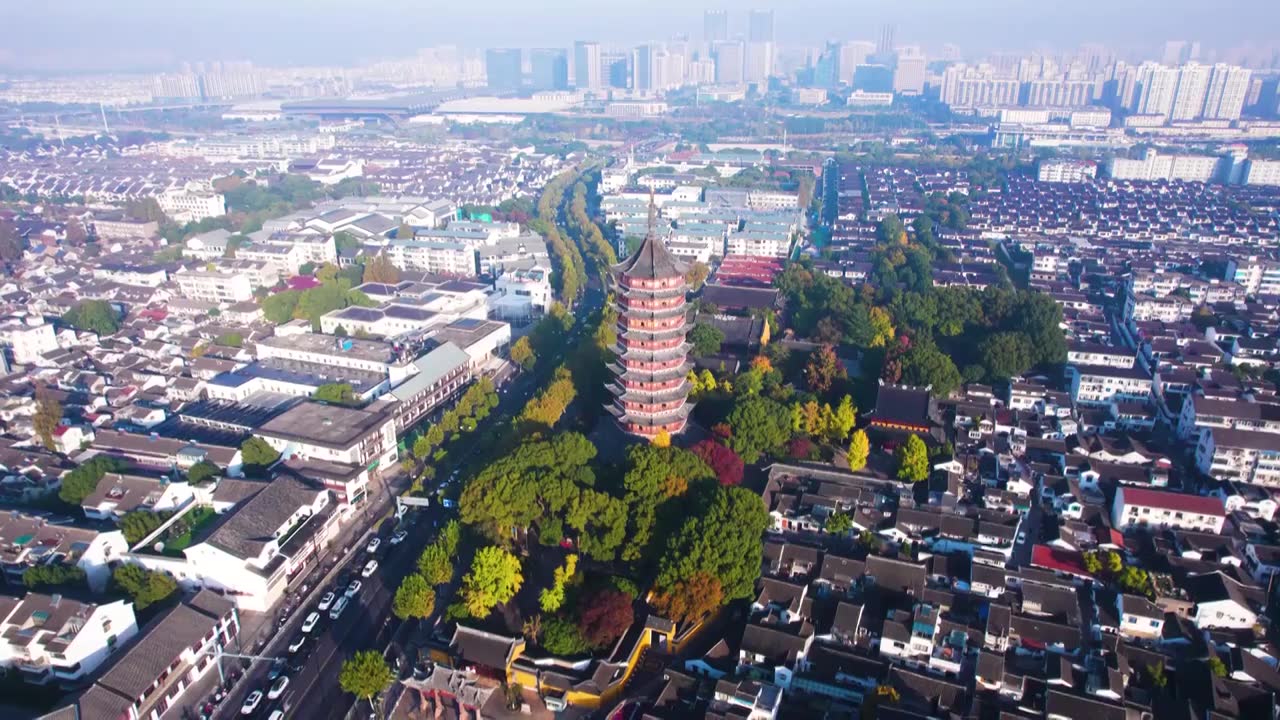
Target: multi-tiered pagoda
650 387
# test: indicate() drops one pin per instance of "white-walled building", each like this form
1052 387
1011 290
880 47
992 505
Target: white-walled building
1158 509
54 639
215 286
1240 455
1101 385
1066 171
192 203
448 258
316 431
28 339
522 293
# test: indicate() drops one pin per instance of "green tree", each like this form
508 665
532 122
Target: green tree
230 339
366 675
345 243
924 364
706 340
145 587
759 425
846 417
436 564
722 540
280 307
95 316
81 482
522 353
56 575
138 524
1157 675
337 394
1006 354
257 456
859 450
696 275
838 523
414 598
552 598
494 579
48 416
562 637
1217 667
202 471
913 460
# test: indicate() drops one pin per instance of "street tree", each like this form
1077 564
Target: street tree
414 598
913 460
366 675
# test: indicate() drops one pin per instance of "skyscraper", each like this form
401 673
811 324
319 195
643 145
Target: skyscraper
550 68
650 390
729 62
502 68
758 66
1177 52
886 39
715 26
1228 88
642 64
1188 96
586 65
760 26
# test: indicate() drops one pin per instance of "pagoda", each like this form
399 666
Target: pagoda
650 385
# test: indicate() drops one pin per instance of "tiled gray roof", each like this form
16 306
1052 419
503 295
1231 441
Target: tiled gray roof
248 526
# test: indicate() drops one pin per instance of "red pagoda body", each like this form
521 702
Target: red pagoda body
650 385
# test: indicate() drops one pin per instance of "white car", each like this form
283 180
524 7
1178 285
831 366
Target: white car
338 607
373 545
369 568
1022 537
399 537
310 623
327 601
251 703
278 687
276 715
297 643
353 589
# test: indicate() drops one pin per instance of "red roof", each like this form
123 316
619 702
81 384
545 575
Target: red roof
302 282
1063 561
1177 502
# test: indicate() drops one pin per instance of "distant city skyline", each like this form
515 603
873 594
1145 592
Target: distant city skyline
150 35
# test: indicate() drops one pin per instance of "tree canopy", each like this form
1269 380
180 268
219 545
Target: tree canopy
95 316
706 340
257 456
913 460
494 579
145 587
81 482
366 675
760 425
414 598
722 541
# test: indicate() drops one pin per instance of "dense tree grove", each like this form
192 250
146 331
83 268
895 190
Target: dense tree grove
81 482
956 333
95 316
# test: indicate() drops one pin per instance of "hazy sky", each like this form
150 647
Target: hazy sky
157 34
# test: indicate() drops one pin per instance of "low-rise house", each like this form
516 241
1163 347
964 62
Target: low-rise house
55 639
1141 507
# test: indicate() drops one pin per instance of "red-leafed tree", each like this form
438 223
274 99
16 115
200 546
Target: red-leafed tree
605 617
800 448
722 460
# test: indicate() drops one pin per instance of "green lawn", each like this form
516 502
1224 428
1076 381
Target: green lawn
196 521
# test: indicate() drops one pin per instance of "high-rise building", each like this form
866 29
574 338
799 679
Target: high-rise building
908 72
1228 88
828 71
616 69
759 63
650 390
851 55
1188 96
1177 52
729 60
586 66
715 26
503 68
642 64
760 26
886 39
550 68
1155 88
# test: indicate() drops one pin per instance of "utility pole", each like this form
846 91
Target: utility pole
103 110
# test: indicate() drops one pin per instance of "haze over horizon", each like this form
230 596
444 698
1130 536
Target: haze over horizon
151 35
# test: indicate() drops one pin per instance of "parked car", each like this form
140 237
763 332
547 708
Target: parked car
277 669
278 687
353 589
327 601
310 623
373 545
370 568
276 715
251 703
297 644
399 537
